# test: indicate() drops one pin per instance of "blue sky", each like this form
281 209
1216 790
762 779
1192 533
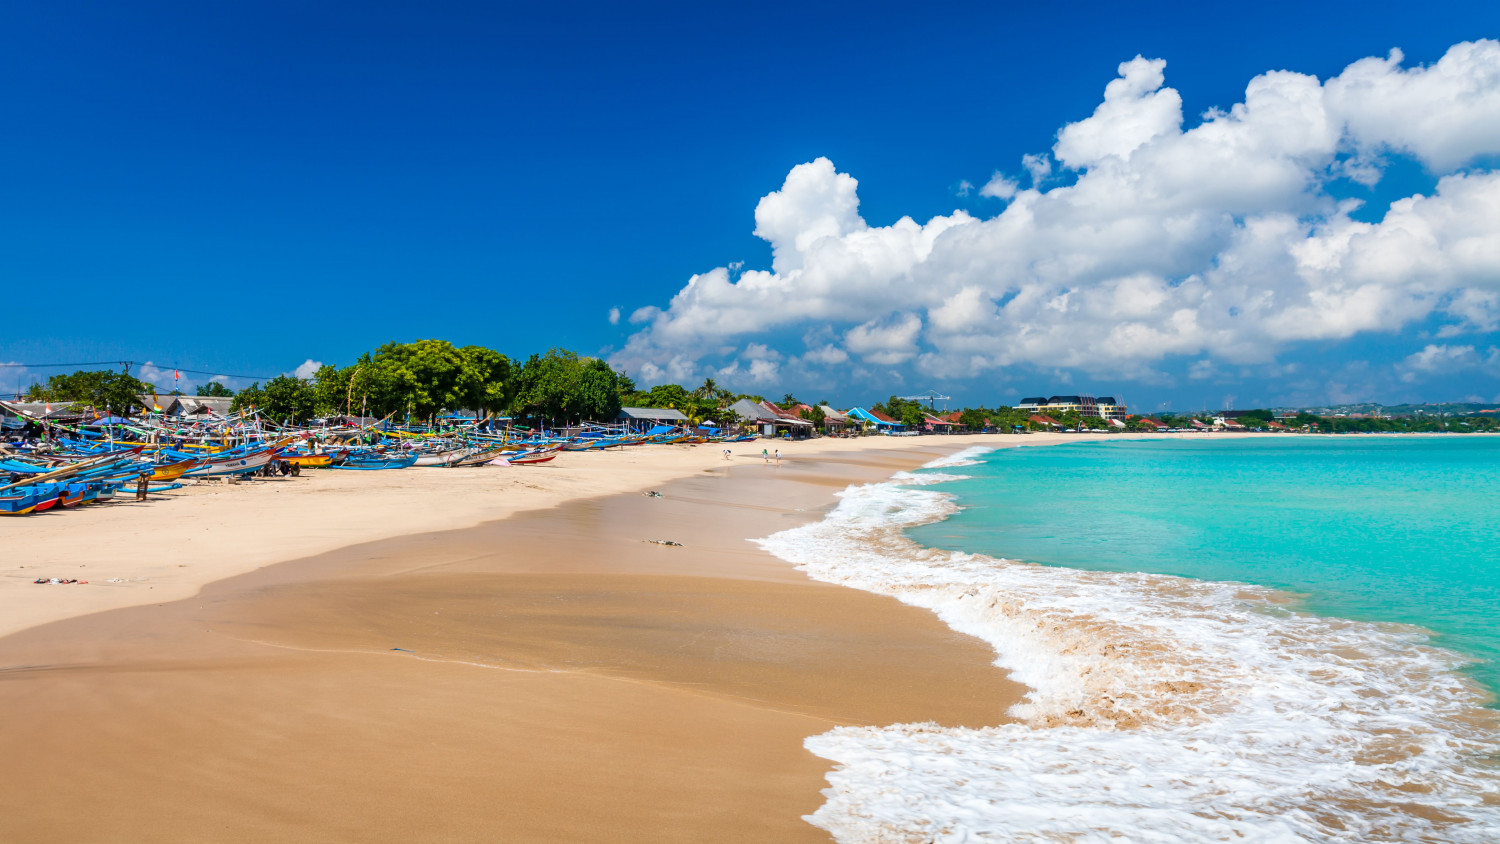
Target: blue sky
240 188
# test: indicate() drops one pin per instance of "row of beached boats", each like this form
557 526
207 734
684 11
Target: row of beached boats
80 466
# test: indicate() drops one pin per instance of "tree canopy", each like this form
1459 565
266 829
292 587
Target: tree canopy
101 389
283 399
214 389
563 387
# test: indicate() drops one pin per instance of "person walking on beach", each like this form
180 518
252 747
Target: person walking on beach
726 454
778 457
766 455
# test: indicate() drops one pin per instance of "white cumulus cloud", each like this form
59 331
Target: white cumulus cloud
1436 359
1214 241
307 369
999 187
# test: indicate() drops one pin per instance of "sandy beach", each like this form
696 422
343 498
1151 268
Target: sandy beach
495 654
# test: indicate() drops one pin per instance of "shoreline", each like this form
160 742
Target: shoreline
171 546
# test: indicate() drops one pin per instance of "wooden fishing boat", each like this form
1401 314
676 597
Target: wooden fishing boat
443 458
173 471
17 505
531 459
479 459
233 465
307 461
366 463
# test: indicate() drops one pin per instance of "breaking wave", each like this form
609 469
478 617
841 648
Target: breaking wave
1162 708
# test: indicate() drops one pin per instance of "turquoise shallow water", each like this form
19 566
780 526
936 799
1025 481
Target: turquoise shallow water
1370 528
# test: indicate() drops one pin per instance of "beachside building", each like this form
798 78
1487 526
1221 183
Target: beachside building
1227 422
198 406
797 425
1104 407
875 419
834 421
646 418
769 419
941 424
205 406
1047 422
22 412
1108 408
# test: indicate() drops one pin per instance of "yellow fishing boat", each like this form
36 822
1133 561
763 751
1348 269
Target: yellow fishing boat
173 471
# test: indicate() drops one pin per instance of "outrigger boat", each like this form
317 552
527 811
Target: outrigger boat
172 471
376 461
528 459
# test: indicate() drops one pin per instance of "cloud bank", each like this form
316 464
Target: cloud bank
1134 241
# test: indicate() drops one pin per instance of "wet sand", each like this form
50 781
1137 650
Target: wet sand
546 677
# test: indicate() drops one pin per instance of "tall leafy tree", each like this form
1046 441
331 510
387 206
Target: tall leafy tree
114 392
331 393
485 381
283 399
422 377
565 387
214 389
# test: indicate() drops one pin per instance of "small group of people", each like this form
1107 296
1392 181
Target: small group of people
280 467
765 454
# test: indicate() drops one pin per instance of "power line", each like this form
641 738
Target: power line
137 364
54 365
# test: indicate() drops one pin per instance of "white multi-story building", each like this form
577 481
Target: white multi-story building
1104 407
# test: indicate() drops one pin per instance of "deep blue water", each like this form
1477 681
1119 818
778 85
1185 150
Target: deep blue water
1371 528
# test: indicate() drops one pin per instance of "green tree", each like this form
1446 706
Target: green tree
973 419
625 386
911 416
283 399
102 389
485 381
422 377
331 393
565 387
669 395
215 390
248 399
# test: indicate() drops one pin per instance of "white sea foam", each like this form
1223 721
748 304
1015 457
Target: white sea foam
1163 709
960 458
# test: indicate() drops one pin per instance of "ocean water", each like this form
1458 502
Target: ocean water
1247 640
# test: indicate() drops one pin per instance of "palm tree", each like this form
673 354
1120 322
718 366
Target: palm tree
709 389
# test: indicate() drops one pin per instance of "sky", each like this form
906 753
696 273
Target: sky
1179 205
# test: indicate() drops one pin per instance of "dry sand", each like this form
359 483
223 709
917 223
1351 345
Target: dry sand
549 676
167 548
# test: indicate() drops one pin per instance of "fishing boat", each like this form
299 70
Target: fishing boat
479 458
173 471
526 458
307 461
371 462
23 503
531 459
443 458
234 464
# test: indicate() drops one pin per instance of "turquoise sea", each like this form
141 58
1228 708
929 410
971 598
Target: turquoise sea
1140 591
1403 529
